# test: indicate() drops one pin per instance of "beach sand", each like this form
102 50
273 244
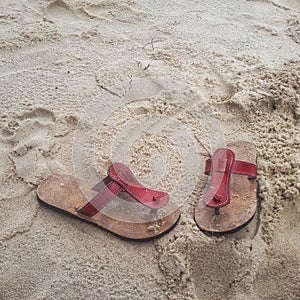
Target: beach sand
155 85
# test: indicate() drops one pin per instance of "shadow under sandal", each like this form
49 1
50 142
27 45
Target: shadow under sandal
64 193
230 201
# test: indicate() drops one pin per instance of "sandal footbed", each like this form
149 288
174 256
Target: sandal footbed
243 203
64 193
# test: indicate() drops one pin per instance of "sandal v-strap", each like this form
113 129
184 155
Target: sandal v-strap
64 193
230 201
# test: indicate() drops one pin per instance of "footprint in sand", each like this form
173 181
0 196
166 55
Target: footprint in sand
60 11
29 145
122 12
32 138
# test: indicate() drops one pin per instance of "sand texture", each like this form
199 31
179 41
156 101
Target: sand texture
157 85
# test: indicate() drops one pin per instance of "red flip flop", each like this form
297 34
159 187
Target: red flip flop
127 220
230 201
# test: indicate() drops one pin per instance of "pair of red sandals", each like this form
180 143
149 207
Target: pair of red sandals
228 204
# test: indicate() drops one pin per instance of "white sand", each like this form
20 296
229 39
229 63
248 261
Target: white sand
148 83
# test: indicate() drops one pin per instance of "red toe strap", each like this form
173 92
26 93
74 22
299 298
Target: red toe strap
124 177
120 178
220 167
218 194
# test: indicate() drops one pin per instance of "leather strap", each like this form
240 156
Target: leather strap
119 179
220 166
218 194
124 177
239 167
107 189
